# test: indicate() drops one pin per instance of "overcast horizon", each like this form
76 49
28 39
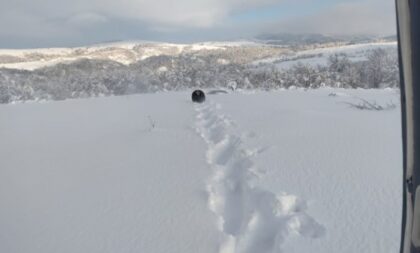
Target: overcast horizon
57 23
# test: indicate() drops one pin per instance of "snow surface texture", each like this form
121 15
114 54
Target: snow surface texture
253 220
287 171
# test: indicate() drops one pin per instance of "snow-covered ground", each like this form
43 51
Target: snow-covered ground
284 171
319 56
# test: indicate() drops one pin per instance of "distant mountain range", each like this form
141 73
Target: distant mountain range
290 39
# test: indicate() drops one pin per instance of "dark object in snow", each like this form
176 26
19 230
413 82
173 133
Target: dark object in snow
198 96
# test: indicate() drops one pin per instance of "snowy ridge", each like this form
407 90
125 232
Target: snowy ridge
130 52
122 52
252 219
319 55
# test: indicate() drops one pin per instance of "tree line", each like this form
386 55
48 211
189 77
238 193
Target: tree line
87 78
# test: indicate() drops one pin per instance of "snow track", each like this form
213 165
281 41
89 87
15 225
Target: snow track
251 219
130 174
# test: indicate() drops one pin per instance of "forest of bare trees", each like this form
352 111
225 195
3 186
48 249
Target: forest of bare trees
87 78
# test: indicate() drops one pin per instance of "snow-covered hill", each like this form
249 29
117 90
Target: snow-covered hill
131 52
122 52
319 56
286 171
144 67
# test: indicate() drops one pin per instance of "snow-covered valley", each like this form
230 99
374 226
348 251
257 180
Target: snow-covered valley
256 172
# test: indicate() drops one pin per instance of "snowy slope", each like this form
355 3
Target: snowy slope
356 52
122 52
131 52
287 171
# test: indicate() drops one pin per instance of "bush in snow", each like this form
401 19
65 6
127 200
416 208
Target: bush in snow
371 106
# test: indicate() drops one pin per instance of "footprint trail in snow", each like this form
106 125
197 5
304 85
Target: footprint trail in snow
251 219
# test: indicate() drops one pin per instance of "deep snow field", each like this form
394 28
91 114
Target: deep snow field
256 172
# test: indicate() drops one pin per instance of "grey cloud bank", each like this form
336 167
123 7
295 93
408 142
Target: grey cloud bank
48 23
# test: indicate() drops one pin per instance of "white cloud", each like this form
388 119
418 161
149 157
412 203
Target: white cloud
368 17
86 18
185 13
78 22
20 24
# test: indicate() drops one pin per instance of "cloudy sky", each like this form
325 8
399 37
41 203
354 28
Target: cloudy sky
49 23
